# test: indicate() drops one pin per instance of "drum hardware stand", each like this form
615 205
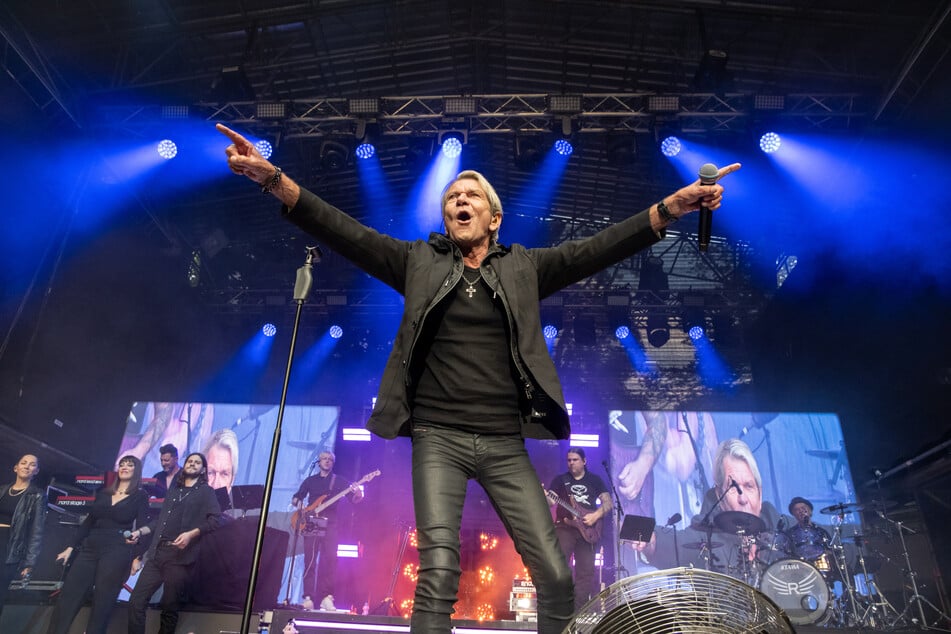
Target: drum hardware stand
871 613
916 599
618 522
838 552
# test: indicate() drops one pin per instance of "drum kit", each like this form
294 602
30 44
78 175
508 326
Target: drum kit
807 572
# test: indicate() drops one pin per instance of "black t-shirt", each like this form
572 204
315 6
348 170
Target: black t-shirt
463 372
315 487
8 506
584 491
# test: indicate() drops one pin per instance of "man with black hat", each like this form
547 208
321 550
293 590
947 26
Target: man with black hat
807 540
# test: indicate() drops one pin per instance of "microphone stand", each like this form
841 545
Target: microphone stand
708 527
301 290
619 519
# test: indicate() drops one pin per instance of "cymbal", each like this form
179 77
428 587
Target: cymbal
702 544
739 522
851 507
302 444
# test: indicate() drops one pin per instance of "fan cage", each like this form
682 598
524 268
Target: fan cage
680 601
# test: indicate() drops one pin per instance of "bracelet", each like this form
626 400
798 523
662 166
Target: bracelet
267 187
668 217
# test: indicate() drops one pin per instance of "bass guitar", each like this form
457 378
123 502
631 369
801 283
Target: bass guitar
591 534
299 517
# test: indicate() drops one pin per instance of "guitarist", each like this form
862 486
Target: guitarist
579 533
321 486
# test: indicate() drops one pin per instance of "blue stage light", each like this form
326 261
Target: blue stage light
269 329
336 331
365 151
452 145
670 146
167 149
770 142
622 332
696 333
265 148
564 147
550 331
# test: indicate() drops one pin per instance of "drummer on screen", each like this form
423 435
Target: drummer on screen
807 540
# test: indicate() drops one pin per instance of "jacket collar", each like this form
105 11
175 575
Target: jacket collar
441 242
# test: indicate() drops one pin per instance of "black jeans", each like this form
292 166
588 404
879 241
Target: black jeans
572 543
165 567
103 564
318 581
444 461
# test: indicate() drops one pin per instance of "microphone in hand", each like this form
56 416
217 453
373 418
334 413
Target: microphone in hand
708 176
127 534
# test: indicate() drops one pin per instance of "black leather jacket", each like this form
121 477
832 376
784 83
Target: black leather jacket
424 271
26 529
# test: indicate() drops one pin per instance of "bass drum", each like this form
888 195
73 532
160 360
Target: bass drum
798 588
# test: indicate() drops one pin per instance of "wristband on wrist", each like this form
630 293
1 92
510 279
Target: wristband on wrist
272 182
664 212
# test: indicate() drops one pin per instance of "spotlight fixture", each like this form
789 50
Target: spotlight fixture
770 142
365 151
550 332
336 332
451 143
269 329
670 146
265 148
769 102
658 330
364 105
167 149
270 110
694 320
622 149
564 103
622 332
460 105
564 147
530 149
663 103
174 112
333 156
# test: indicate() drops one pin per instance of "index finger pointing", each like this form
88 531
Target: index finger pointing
236 138
729 169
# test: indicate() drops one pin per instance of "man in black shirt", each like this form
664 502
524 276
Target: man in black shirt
578 519
190 510
470 376
168 454
320 532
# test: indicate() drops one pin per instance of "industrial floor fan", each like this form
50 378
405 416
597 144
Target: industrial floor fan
680 601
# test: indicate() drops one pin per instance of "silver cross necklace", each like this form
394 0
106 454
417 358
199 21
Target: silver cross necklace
472 289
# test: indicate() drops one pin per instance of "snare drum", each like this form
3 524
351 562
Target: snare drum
808 542
798 588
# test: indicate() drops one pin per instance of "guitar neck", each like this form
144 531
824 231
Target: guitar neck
565 505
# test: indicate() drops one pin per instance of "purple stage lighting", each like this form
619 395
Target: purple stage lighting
167 149
269 329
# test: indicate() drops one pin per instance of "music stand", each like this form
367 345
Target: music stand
637 528
248 496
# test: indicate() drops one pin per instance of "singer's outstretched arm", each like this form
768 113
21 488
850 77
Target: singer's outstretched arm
687 199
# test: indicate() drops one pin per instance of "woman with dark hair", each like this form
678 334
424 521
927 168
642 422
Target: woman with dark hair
105 557
22 514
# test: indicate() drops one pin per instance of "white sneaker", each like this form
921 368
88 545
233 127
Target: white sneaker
328 604
308 603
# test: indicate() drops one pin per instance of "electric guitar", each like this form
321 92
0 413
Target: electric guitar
591 534
298 518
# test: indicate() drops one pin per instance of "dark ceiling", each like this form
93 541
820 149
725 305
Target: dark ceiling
92 68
